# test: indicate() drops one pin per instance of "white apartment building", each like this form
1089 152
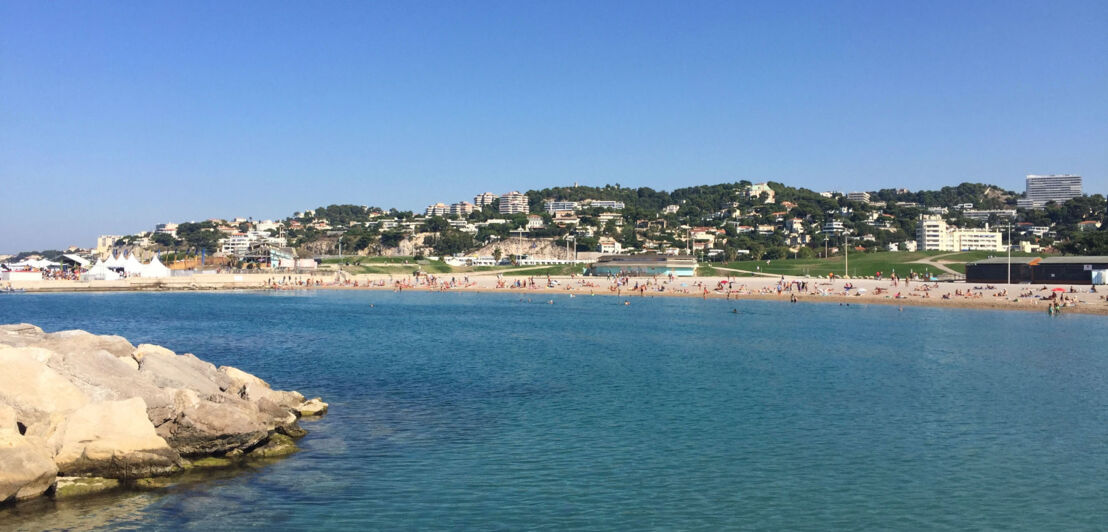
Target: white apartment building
462 208
984 214
438 209
169 229
671 209
604 204
485 199
266 225
933 234
514 203
858 196
555 206
833 226
238 244
1045 188
605 217
609 245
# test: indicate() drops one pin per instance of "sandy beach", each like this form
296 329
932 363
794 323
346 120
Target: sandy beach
1074 299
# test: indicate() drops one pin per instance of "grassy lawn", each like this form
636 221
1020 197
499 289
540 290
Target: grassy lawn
560 269
396 266
370 260
864 264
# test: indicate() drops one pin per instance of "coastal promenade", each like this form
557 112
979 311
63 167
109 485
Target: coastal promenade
1073 298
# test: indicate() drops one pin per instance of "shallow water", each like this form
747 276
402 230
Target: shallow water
485 411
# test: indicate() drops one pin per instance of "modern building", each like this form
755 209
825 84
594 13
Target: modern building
462 208
933 234
1051 270
605 217
604 204
555 206
514 203
168 228
833 226
1046 188
645 265
671 209
438 209
610 245
986 214
485 199
858 196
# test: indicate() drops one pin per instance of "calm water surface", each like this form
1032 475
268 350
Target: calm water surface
482 411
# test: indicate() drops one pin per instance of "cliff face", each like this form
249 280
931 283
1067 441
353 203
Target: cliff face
74 404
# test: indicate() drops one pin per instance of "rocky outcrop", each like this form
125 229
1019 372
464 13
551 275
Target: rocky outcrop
75 404
112 439
26 470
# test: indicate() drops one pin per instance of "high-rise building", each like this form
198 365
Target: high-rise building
514 203
462 208
438 209
1045 188
485 199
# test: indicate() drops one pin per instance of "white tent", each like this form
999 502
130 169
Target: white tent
131 265
155 269
100 272
42 264
77 260
113 262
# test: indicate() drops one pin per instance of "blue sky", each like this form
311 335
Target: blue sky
115 116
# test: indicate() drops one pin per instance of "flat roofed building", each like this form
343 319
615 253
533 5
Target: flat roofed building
1042 189
514 203
485 199
555 206
462 208
858 196
645 265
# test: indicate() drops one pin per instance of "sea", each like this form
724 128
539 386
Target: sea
519 411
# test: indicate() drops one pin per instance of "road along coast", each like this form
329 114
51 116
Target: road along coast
81 413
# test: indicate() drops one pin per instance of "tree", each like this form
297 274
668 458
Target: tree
496 254
165 240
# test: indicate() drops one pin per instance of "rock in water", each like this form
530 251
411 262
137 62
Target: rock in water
312 407
96 406
26 470
112 439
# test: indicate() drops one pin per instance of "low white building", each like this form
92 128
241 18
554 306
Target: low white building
609 245
933 234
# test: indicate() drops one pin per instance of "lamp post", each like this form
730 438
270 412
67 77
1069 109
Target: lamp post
1009 251
846 253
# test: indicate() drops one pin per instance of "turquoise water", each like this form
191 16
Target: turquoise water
482 411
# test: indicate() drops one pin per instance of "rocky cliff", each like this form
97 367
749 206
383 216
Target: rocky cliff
74 404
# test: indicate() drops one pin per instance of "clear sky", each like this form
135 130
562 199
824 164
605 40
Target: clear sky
115 116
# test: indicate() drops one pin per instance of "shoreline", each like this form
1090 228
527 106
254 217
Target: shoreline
816 290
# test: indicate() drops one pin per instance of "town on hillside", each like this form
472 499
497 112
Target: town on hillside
726 222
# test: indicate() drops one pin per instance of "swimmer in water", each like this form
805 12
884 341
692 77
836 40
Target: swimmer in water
734 311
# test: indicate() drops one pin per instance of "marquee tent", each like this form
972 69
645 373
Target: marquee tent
131 265
155 269
100 272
